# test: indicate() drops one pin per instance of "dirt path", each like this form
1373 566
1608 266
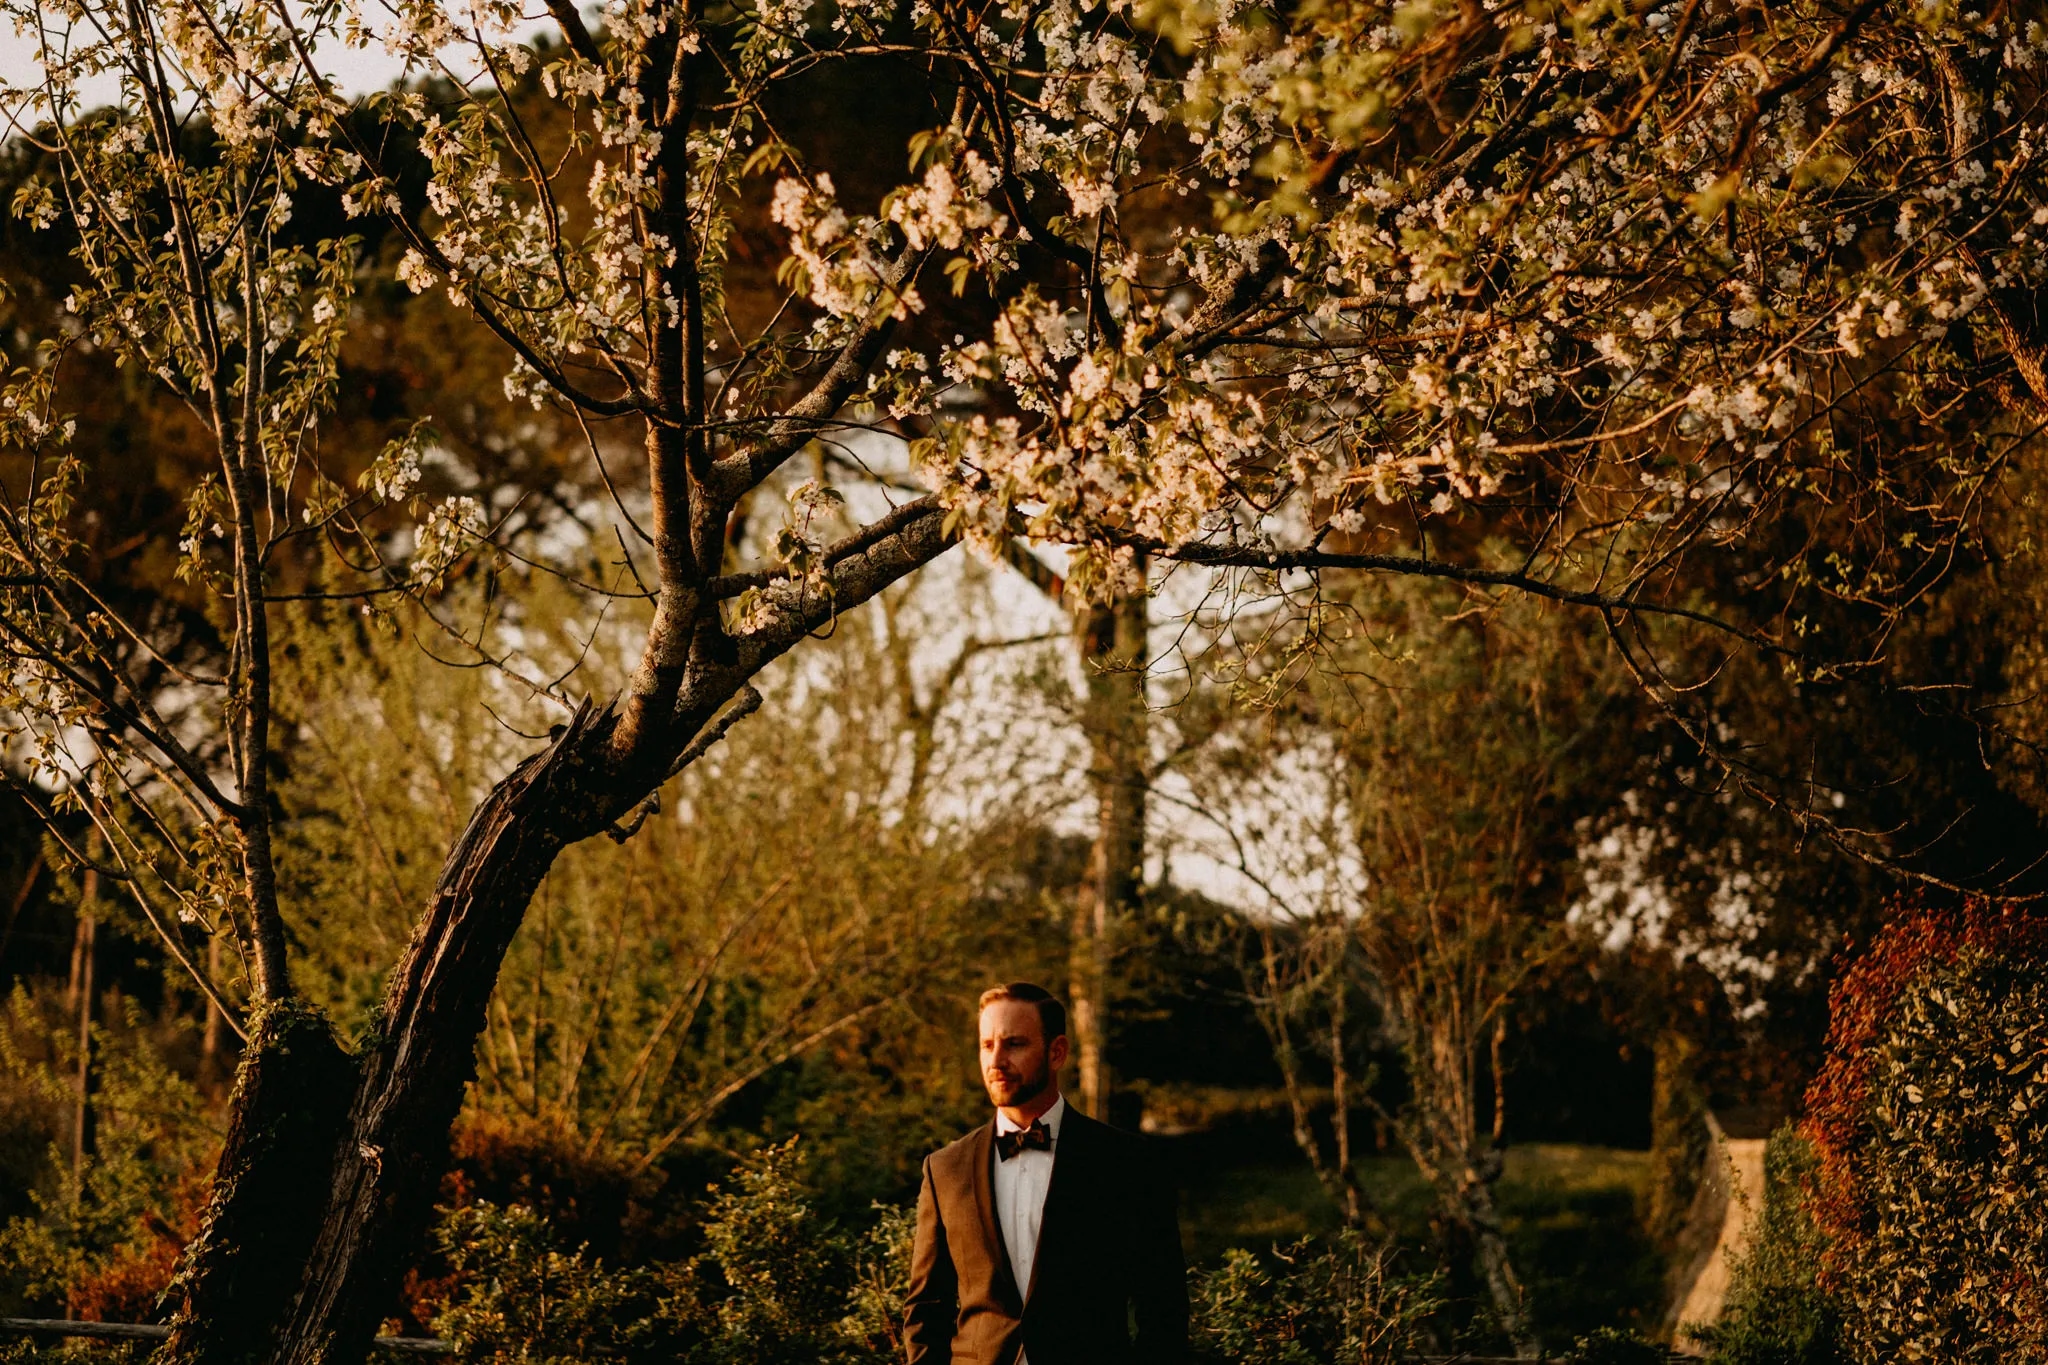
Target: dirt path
1739 1164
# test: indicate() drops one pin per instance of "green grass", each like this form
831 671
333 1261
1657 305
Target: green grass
1253 1207
1574 1222
1571 1215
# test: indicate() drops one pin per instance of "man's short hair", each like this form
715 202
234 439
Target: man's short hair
1052 1015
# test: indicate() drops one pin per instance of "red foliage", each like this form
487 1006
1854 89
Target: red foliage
591 1196
126 1286
548 1166
1921 937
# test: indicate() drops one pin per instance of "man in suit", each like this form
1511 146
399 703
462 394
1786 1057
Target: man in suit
1043 1237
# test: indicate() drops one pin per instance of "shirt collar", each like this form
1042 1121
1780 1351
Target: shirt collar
1050 1118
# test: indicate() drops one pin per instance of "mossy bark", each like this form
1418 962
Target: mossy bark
1678 1135
380 1189
240 1275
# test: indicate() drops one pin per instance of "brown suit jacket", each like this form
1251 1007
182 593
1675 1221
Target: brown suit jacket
1109 1286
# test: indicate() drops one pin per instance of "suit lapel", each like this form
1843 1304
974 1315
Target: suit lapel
1073 1130
983 1156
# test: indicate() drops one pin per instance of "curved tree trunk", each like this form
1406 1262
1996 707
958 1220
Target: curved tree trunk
381 1189
332 1164
325 1188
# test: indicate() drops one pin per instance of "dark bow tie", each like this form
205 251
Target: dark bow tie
1036 1138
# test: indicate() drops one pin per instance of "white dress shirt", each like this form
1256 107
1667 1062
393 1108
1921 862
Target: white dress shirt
1021 1183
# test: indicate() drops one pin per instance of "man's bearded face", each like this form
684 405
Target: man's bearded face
1016 1065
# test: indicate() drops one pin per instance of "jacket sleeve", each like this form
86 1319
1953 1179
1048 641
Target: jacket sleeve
1159 1292
931 1308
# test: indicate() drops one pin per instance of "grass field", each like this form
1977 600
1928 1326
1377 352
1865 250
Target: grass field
1572 1216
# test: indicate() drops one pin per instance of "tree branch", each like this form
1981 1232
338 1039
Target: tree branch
747 466
142 720
745 704
732 585
1251 557
573 31
905 540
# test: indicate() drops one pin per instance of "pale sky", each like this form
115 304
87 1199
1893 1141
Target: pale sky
353 69
21 68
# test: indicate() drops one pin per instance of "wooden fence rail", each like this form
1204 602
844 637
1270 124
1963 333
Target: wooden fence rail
147 1331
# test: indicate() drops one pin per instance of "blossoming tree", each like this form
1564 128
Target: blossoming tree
1565 301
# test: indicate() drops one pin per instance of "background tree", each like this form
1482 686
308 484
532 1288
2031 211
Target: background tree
1421 903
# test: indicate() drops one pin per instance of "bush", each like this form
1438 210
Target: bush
1614 1346
519 1298
1931 1124
1776 1312
778 1283
774 1285
103 1246
1308 1304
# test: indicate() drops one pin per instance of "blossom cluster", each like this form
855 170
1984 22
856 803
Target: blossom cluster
1199 272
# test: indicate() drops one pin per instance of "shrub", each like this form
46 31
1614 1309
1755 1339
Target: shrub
774 1285
1930 1119
1615 1346
776 1282
587 1192
522 1299
1310 1303
1776 1312
105 1245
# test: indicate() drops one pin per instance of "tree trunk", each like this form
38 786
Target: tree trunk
82 996
1113 649
387 1169
1346 1190
84 955
1678 1134
332 1165
238 1277
1464 1164
1684 1219
370 1175
1481 1215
